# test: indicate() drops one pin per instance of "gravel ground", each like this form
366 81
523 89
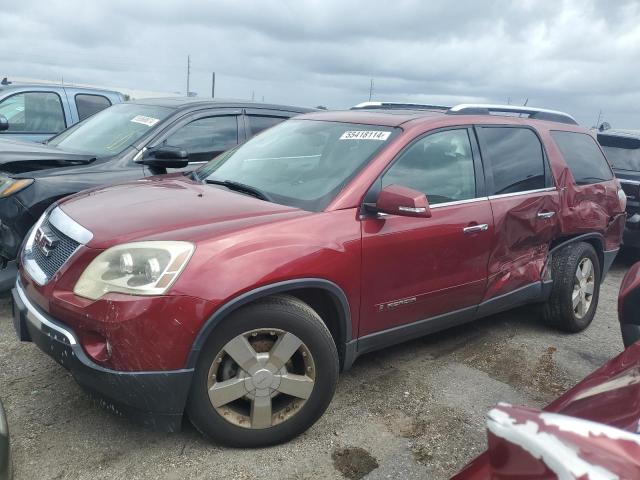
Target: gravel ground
412 411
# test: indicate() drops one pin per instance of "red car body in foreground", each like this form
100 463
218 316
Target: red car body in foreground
589 433
369 228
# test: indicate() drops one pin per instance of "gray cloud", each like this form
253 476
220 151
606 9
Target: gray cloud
578 56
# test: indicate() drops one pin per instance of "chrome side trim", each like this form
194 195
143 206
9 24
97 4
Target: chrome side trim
526 192
458 202
38 320
29 263
69 226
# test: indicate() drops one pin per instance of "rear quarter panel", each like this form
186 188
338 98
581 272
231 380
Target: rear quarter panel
584 208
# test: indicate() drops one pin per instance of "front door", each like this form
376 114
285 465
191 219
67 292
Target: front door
418 268
206 137
525 206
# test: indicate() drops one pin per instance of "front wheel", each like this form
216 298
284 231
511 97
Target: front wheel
265 375
576 288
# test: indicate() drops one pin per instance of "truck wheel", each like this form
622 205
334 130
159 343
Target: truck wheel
576 288
265 375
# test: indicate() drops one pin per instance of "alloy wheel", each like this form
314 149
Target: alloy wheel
583 288
261 378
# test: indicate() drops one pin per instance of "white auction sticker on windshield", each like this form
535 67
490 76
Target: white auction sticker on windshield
148 121
365 135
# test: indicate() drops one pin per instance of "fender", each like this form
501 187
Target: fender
336 292
606 257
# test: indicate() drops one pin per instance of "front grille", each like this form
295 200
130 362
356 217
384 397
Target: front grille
58 255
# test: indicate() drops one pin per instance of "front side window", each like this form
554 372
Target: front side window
439 165
88 105
583 157
515 158
33 112
301 163
112 130
207 137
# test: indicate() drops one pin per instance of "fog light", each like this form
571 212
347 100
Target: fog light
96 346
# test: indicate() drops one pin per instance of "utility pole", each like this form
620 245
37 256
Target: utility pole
188 72
599 117
213 85
370 89
253 95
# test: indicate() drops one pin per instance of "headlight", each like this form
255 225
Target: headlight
9 186
140 268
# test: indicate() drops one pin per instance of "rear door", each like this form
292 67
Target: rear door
419 268
525 204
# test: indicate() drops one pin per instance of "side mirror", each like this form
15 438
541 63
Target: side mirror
403 201
4 123
165 157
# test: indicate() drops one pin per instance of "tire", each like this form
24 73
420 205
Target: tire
262 324
559 311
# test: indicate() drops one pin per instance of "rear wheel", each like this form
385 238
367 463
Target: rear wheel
576 288
265 375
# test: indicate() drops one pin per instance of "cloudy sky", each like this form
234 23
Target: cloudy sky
579 56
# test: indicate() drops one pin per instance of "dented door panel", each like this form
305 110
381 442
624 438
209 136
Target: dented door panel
525 225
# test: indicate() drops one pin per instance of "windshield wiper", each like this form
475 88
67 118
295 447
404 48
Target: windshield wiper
241 187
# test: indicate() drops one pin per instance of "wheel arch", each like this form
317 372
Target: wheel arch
324 296
596 240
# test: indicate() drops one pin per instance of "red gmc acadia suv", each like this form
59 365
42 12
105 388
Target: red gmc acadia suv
236 293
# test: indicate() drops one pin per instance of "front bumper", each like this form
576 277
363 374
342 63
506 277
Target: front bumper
154 399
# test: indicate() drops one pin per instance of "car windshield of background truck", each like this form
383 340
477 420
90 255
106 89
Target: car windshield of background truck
110 131
301 163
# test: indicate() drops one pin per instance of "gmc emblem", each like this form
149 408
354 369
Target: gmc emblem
45 240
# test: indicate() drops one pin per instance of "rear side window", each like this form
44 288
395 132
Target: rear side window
584 158
87 105
259 123
515 159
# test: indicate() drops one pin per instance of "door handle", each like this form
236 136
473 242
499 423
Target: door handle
546 214
476 228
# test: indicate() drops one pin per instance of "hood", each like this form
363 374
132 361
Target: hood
171 207
20 157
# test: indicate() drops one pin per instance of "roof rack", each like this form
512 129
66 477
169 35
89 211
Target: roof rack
397 106
531 112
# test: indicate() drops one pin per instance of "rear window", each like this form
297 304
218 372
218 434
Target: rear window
622 152
583 157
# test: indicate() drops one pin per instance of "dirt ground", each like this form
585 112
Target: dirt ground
412 411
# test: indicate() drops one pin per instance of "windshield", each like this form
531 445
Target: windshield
623 158
110 131
301 163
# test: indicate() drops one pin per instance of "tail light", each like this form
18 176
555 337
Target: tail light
623 188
